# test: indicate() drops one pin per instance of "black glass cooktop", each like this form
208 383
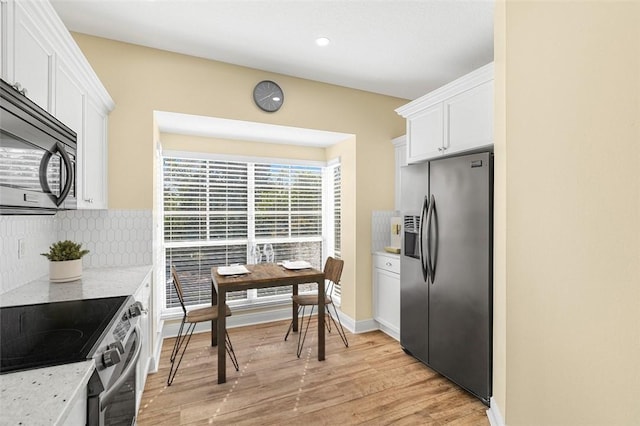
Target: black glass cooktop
47 334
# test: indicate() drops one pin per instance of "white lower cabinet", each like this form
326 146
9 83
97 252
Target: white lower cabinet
143 295
386 293
78 412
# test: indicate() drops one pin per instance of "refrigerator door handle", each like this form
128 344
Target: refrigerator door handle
423 259
430 259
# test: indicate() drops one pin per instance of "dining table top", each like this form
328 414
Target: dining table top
264 275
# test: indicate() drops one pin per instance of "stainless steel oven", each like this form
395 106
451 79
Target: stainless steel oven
104 329
37 157
112 387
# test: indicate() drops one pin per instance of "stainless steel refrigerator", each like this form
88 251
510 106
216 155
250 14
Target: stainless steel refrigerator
446 269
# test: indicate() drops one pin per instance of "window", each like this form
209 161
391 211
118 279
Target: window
215 210
337 209
335 213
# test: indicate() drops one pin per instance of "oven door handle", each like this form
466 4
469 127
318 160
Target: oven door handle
109 393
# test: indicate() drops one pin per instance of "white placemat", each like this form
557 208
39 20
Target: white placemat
233 270
296 264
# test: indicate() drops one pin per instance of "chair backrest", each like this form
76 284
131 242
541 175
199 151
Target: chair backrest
178 287
332 273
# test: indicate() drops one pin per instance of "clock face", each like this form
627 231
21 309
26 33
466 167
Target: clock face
268 96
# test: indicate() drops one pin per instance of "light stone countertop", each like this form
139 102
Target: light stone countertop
386 253
42 396
95 283
45 396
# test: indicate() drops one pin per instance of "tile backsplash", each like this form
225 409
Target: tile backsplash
381 228
36 233
113 237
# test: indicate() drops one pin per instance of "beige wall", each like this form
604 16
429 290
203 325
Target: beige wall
499 211
174 142
570 199
141 80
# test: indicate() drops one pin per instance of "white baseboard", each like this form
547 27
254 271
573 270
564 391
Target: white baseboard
388 330
155 355
170 327
494 415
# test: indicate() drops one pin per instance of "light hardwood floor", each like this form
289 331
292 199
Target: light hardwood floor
371 382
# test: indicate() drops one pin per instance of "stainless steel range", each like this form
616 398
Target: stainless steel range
105 330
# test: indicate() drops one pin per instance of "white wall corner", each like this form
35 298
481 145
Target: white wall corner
389 330
494 414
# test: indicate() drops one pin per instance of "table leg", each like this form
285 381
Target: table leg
294 313
214 323
214 333
321 319
222 326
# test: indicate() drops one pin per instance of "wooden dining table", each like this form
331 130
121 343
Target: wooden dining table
262 275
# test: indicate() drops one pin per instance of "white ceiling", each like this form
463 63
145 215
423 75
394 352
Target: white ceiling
399 48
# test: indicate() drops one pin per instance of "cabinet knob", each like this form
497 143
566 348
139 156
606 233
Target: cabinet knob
89 200
388 263
20 89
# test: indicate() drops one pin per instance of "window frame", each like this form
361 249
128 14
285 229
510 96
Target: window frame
326 238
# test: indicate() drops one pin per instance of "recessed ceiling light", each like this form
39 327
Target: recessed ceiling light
322 41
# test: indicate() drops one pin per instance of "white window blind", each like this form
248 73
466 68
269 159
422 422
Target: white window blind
337 220
204 200
215 210
288 200
337 210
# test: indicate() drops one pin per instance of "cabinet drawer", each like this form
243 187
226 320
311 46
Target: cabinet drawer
388 263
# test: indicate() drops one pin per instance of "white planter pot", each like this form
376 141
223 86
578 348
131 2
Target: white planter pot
64 271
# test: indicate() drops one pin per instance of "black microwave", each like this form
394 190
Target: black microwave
37 157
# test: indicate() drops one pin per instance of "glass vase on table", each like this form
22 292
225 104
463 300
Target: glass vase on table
255 256
269 254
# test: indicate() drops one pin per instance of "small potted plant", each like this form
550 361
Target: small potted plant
65 261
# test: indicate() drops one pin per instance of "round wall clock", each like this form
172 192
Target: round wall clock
268 96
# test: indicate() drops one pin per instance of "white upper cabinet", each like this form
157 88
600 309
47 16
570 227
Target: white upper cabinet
92 188
30 59
455 118
469 119
39 54
426 133
70 100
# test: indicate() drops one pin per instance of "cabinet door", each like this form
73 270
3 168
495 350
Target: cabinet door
387 301
469 117
425 134
69 101
143 295
31 59
93 160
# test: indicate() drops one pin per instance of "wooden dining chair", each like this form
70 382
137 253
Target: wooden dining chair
192 318
332 273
